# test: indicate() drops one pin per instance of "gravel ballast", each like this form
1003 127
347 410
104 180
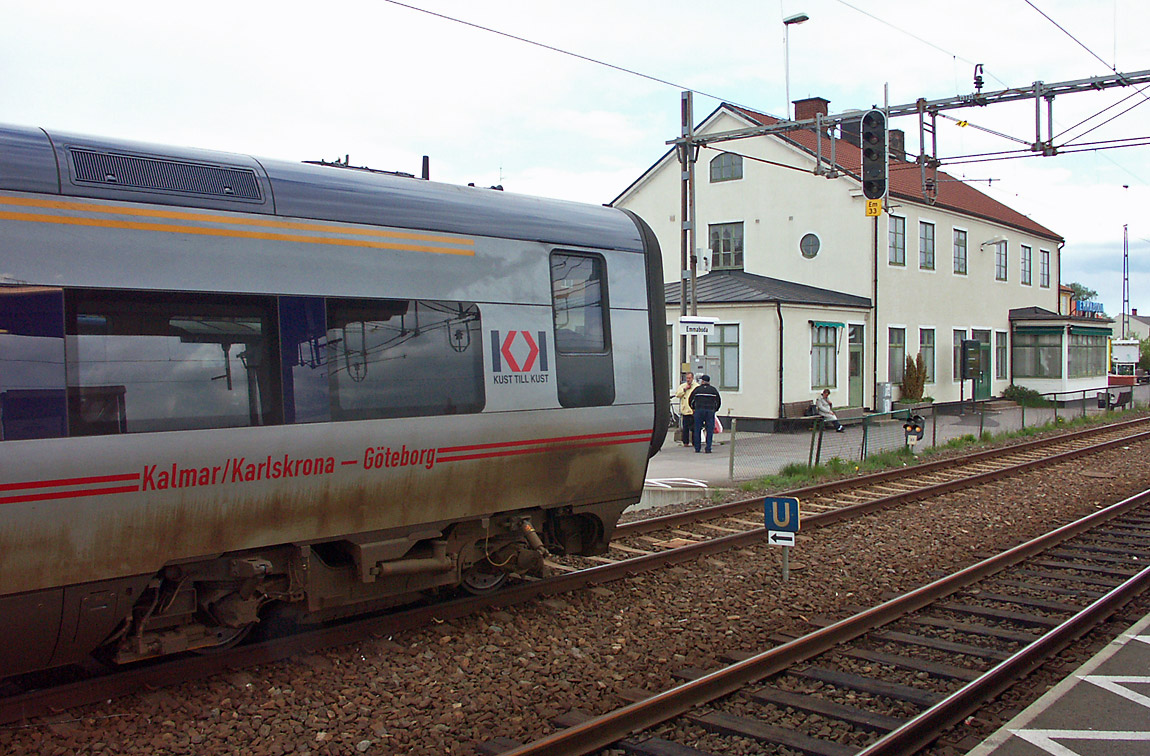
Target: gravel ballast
442 689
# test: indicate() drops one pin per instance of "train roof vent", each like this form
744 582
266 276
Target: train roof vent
109 169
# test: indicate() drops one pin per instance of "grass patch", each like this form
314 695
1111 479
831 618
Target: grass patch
799 475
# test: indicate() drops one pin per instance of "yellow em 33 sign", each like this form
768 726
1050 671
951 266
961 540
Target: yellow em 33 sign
873 208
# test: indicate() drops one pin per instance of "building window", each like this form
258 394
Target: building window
925 245
824 360
1044 268
726 167
956 359
725 345
1000 260
960 252
897 240
1087 355
809 245
926 349
1026 256
1000 355
896 359
1037 355
726 246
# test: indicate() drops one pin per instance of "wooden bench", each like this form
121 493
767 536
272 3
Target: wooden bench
850 415
795 415
1115 399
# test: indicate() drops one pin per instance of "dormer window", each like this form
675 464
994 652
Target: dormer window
727 167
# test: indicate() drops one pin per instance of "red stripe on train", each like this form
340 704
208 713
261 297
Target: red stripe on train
70 482
55 495
537 441
540 450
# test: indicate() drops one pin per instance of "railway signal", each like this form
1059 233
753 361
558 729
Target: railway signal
874 162
915 428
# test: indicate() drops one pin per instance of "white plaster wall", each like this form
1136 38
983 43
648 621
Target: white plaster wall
758 392
945 300
778 206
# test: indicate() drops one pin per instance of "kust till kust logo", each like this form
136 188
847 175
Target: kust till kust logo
519 357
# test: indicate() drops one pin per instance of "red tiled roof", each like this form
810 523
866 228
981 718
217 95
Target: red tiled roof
905 180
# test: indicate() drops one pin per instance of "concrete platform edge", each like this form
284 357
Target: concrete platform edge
1056 693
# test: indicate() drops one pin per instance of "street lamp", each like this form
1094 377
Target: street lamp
788 22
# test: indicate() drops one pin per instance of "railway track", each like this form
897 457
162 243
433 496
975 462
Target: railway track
888 679
924 477
642 546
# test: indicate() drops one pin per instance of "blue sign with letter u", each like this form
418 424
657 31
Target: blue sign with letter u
781 513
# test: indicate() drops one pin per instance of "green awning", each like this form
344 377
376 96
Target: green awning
825 324
1038 329
1088 331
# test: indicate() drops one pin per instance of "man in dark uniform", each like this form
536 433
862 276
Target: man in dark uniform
705 401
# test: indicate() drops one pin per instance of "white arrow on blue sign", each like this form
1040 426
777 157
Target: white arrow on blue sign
781 513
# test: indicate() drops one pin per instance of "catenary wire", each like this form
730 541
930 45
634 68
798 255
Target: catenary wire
1067 33
1100 112
912 35
559 50
1109 120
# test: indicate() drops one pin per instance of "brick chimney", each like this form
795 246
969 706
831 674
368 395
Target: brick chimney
897 145
1134 311
810 107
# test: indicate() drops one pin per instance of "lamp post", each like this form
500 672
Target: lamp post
788 22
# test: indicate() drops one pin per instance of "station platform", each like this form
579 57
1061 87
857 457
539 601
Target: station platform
1102 709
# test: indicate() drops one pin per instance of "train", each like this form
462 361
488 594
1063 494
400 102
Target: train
235 389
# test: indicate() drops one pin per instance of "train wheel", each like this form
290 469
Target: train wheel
478 581
227 637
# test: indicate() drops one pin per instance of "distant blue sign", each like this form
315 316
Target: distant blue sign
781 513
1084 306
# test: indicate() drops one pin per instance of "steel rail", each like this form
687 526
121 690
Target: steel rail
602 731
924 729
123 682
720 510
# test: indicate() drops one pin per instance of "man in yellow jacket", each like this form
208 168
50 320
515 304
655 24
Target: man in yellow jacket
683 394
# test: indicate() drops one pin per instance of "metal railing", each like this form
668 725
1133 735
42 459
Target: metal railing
755 454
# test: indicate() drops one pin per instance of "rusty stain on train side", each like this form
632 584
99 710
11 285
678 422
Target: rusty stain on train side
63 544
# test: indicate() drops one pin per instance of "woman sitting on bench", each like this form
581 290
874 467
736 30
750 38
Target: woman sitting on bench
823 406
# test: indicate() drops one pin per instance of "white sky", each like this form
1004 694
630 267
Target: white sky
387 85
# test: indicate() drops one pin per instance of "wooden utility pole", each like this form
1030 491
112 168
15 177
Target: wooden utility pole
687 151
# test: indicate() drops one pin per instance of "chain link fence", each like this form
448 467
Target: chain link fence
809 442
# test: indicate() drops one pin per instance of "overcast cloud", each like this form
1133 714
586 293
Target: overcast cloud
386 84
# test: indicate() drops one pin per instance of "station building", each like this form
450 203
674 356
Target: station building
810 293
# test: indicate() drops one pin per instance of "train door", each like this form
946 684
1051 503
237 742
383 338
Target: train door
855 366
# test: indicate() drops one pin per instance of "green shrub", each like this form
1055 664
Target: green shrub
913 378
1024 396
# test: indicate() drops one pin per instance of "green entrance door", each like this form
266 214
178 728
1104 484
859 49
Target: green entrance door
855 366
982 382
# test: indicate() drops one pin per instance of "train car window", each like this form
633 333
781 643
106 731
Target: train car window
141 361
403 358
577 296
303 359
32 384
585 372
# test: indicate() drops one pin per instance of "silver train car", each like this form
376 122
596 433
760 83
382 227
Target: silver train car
234 389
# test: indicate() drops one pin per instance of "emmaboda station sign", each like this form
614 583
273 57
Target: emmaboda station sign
696 325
